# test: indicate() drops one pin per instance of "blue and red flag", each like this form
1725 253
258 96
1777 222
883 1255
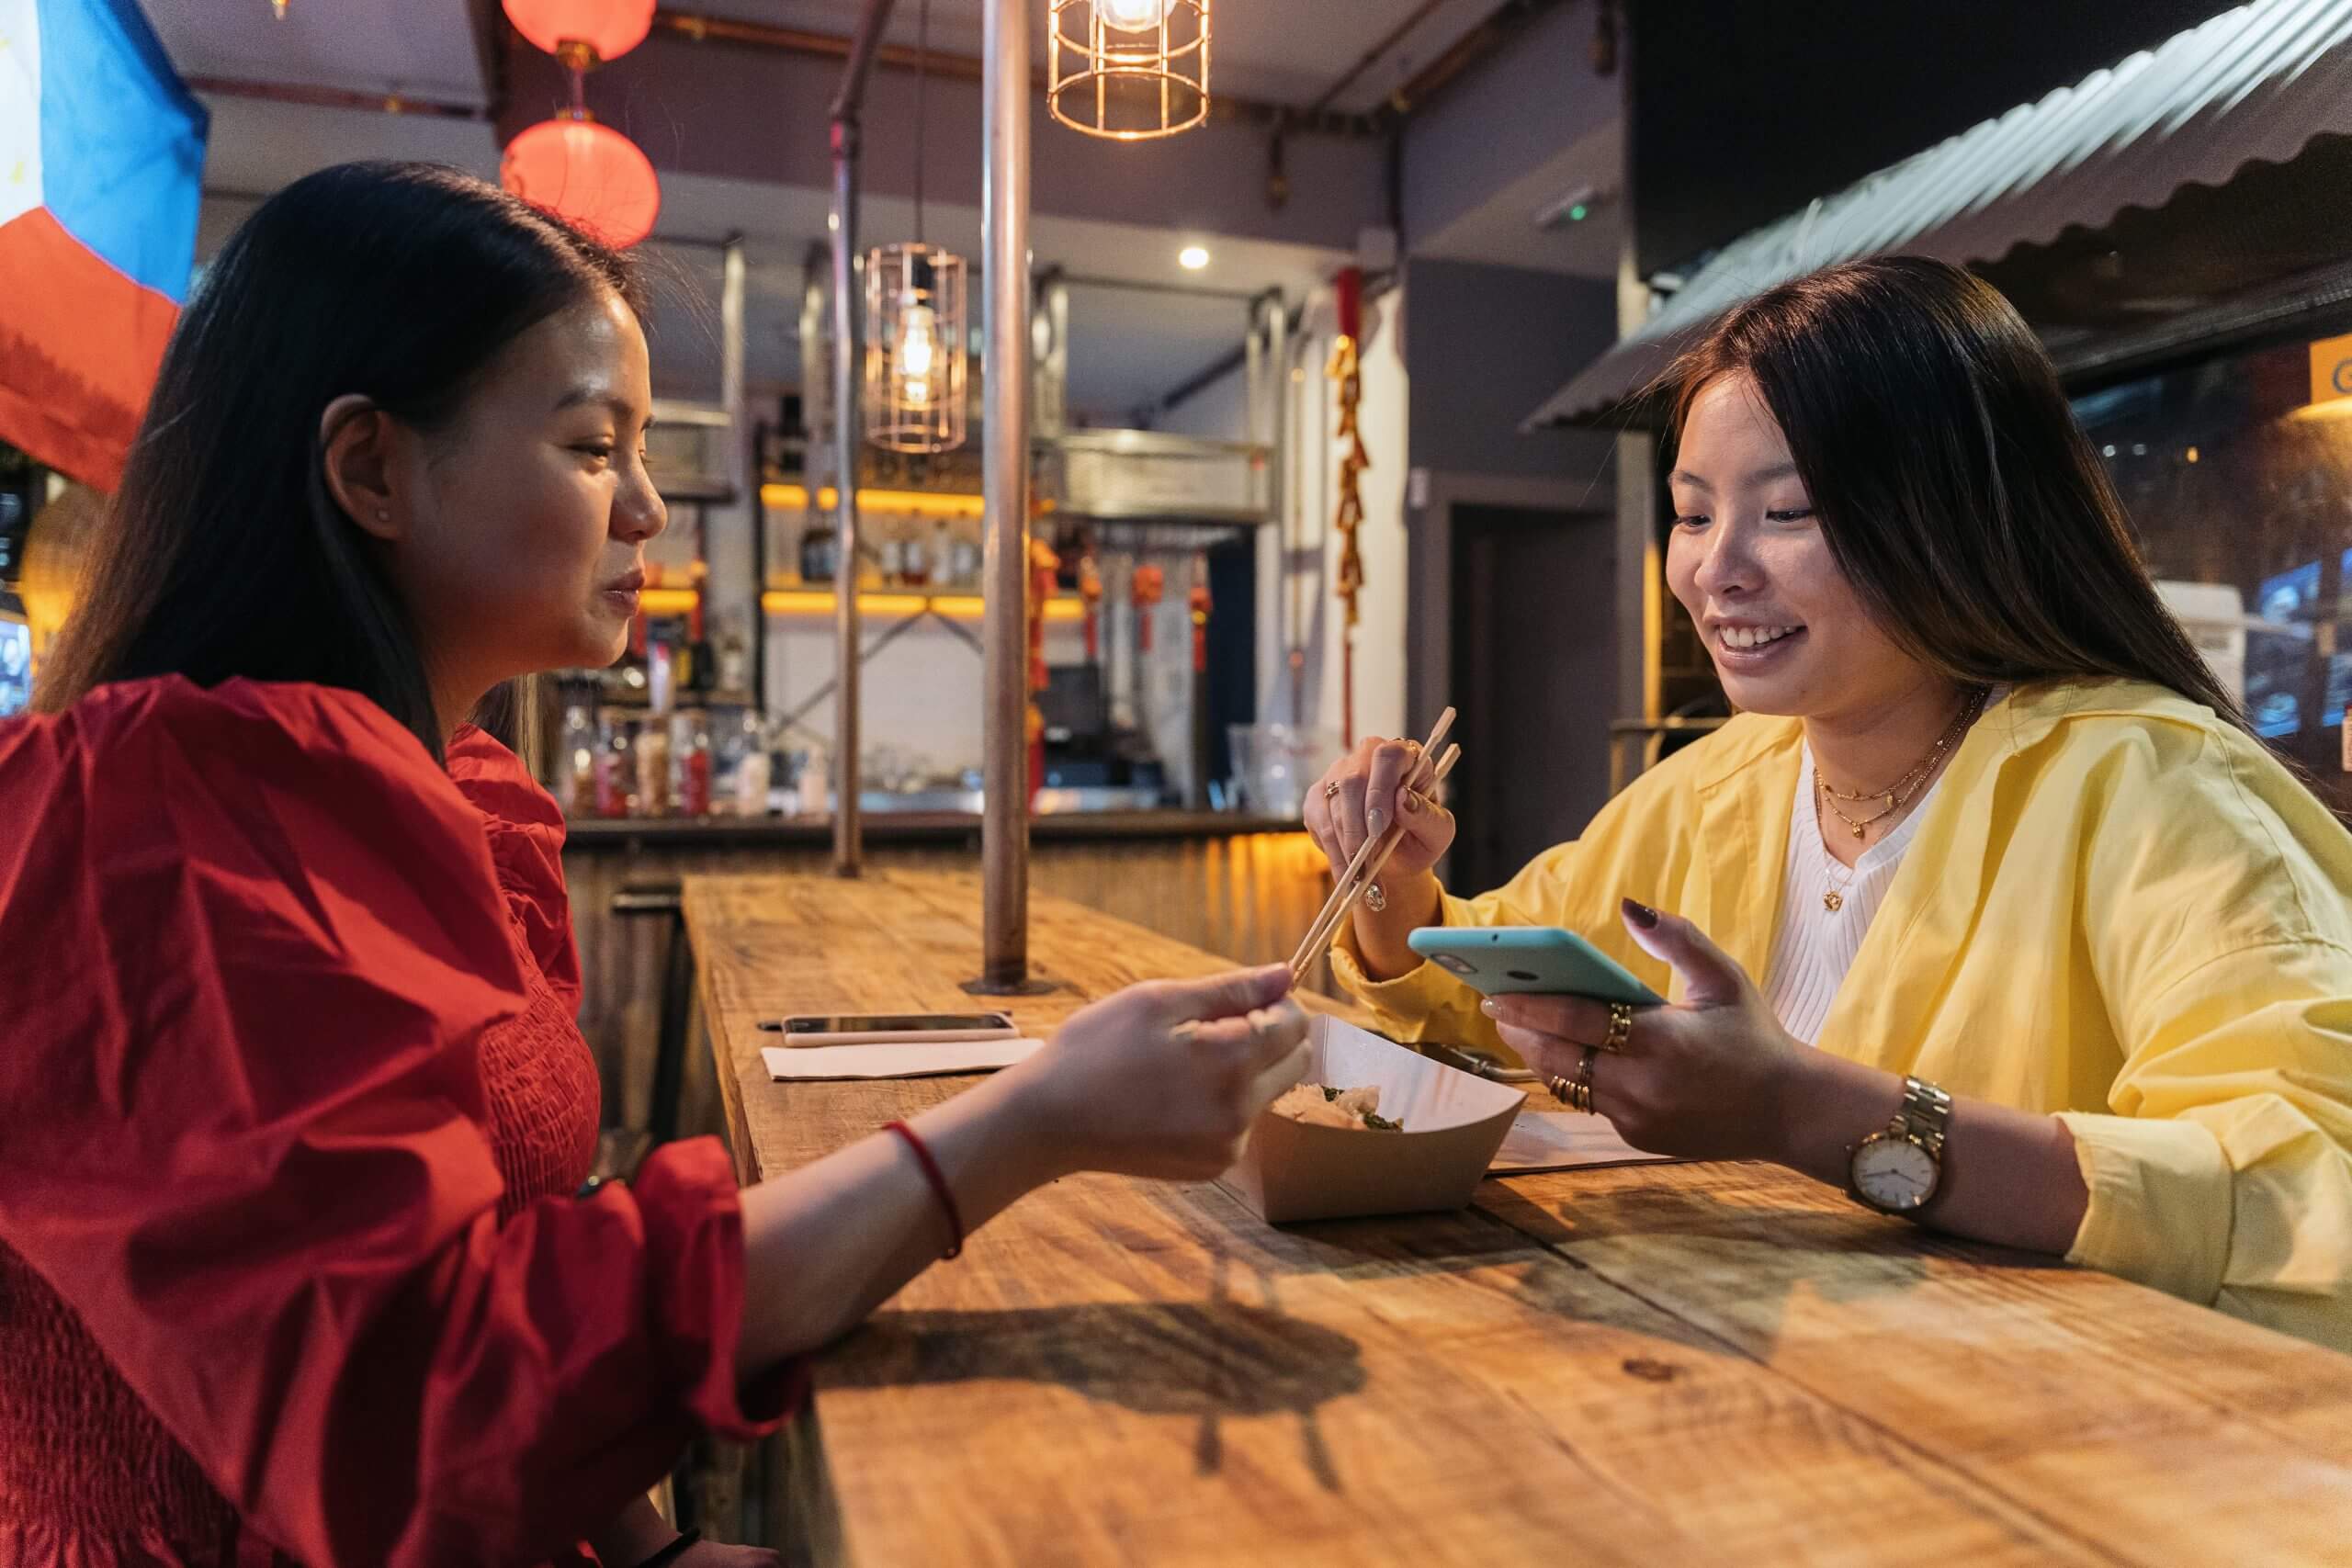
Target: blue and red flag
101 162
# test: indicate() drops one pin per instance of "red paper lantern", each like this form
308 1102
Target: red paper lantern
611 27
587 173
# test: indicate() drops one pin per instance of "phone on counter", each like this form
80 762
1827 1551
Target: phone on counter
891 1028
1497 961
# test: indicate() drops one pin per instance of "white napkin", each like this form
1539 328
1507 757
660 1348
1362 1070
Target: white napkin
792 1064
1563 1140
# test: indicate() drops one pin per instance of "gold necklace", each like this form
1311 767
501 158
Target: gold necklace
1897 795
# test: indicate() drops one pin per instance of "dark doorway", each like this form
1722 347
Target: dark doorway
1534 661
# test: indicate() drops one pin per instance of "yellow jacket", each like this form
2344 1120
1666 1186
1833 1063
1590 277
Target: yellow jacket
2117 908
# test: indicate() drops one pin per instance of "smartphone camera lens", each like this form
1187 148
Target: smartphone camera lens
1447 961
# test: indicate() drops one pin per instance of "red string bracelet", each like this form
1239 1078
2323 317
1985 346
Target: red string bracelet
938 1186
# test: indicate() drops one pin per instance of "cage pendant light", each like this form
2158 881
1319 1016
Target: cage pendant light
1128 70
917 342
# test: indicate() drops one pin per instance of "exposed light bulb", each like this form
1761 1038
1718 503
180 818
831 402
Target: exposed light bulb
918 352
917 339
1192 258
1132 15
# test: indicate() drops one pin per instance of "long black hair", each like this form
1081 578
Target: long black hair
1956 489
225 554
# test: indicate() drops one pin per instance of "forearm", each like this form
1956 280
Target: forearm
1380 937
2009 1176
638 1534
827 1244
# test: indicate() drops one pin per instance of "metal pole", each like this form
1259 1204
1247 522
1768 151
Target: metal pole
848 847
1004 831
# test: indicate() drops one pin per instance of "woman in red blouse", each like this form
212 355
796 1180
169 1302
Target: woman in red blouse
291 1262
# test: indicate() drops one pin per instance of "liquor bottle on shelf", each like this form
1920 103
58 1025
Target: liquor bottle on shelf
611 778
653 769
755 772
575 766
820 553
914 559
691 760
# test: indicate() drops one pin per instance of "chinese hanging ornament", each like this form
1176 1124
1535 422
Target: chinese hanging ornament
1345 370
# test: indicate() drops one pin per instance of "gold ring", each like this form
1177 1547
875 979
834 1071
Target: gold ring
1620 1028
1575 1093
1331 790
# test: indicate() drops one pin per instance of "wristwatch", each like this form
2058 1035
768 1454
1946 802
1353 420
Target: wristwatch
1897 1169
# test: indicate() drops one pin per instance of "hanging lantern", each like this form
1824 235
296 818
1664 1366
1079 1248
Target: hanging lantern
1128 70
605 29
587 173
916 348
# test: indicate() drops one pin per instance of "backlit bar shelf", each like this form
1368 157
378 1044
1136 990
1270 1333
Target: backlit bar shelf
883 602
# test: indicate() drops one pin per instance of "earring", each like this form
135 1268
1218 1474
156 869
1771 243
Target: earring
383 514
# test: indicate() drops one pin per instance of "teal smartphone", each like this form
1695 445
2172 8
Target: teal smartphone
1497 961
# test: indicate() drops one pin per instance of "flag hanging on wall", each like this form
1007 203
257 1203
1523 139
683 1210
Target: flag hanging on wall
101 156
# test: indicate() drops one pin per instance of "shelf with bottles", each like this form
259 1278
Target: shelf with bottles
791 596
715 758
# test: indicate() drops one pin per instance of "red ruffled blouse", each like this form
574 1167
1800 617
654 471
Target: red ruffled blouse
292 1112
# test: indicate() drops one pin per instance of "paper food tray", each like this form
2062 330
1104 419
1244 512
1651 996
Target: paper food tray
1454 1121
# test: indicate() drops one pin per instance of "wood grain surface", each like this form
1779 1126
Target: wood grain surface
1653 1364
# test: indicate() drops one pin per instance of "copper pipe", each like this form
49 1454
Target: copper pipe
1371 57
1004 827
334 97
849 850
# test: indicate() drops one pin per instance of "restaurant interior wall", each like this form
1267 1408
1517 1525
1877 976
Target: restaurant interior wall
1310 488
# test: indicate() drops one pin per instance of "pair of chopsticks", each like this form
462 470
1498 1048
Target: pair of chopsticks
1429 769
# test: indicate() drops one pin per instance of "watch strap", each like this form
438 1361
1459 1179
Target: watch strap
1925 1114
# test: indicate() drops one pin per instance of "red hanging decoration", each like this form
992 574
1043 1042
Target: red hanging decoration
1197 604
1144 591
607 29
1347 371
1089 593
589 174
1043 566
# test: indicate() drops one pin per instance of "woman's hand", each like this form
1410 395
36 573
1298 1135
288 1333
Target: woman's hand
1713 1077
1354 801
1361 794
1163 1079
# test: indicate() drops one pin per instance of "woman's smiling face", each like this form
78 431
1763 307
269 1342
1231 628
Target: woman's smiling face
1747 559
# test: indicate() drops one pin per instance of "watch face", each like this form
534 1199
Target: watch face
1895 1173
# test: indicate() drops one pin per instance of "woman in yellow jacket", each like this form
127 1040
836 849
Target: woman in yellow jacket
2075 950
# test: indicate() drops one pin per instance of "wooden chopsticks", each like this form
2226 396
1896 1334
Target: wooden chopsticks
1366 868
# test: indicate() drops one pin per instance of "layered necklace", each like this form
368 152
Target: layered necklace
1896 796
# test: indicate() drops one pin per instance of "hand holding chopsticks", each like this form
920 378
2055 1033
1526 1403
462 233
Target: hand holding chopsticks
1427 767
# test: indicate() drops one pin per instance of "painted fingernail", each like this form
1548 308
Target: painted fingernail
1641 915
1491 1007
1376 822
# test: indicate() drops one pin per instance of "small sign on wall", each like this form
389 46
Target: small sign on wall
2331 369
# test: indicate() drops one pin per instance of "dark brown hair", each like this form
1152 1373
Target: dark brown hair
225 554
1956 489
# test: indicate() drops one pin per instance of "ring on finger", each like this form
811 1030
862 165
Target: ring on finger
1621 1029
1331 790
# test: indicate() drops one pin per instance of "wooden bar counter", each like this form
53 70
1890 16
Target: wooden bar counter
1661 1364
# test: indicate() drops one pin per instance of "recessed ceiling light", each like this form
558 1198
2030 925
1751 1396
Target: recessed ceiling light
1192 258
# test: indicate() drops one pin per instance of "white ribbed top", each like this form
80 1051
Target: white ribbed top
1815 946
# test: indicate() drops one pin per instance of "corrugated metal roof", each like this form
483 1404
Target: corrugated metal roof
2256 83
